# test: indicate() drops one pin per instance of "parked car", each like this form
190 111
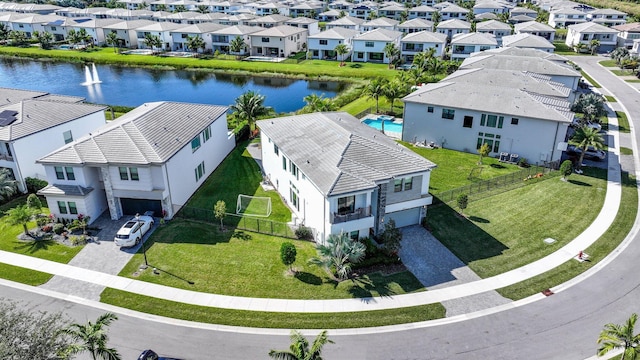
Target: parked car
151 355
133 230
591 153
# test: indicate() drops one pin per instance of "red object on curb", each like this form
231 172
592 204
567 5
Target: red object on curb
547 292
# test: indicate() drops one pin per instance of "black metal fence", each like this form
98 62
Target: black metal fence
489 187
248 223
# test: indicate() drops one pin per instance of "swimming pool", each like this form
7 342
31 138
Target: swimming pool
389 125
138 52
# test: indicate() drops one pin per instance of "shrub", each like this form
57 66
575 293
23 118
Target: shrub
33 202
58 228
47 228
566 169
391 237
523 163
77 240
304 233
33 184
463 201
288 253
42 220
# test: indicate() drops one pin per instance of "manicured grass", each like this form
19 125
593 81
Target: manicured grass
601 248
366 102
22 275
590 80
454 167
623 72
625 151
237 174
270 319
610 98
248 264
623 122
608 63
505 231
633 81
306 68
563 49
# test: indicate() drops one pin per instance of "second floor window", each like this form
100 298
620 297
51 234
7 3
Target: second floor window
128 173
195 143
323 42
448 114
68 137
368 44
346 205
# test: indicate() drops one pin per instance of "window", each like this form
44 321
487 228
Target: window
59 173
293 198
206 134
492 121
354 235
397 185
276 150
490 139
69 171
368 44
265 39
323 42
408 183
68 137
468 122
134 174
346 205
199 171
284 163
409 46
62 207
514 121
429 109
448 113
124 175
72 208
195 143
293 168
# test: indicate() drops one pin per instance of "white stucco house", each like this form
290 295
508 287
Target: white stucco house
180 37
535 28
347 22
495 28
162 30
627 33
415 43
607 17
329 170
561 18
322 45
462 45
221 39
586 32
369 47
34 123
415 25
528 41
279 41
152 158
453 27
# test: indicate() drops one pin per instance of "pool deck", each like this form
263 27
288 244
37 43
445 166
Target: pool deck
378 117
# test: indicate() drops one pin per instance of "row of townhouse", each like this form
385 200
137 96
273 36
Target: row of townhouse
515 100
138 162
563 13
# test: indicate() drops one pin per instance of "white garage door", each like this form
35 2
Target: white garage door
405 217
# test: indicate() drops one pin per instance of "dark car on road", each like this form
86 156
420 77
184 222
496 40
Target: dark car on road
151 355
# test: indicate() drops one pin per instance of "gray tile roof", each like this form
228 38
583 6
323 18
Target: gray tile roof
199 28
335 33
150 134
494 99
347 20
61 98
522 63
161 26
416 23
592 28
381 21
527 41
379 35
425 37
532 26
237 30
36 115
474 38
65 190
10 96
492 25
523 52
340 155
454 24
280 31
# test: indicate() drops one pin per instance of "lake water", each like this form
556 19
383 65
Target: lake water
134 86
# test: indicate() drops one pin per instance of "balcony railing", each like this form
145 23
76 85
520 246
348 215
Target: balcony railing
358 213
6 157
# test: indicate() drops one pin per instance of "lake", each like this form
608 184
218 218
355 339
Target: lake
130 86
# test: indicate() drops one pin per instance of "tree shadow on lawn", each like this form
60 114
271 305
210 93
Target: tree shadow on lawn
183 231
308 278
578 182
33 246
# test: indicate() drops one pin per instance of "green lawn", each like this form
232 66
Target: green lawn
505 231
590 80
563 49
610 98
454 168
601 248
633 81
248 264
623 72
608 63
623 122
626 151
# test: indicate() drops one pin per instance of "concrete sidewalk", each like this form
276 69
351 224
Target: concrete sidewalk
562 255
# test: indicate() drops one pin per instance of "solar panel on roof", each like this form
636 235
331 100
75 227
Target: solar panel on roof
7 117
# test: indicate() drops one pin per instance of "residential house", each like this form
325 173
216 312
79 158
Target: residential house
561 18
491 6
162 30
463 116
329 170
279 41
495 28
369 47
133 4
379 23
585 33
453 27
180 37
535 28
126 32
311 25
138 162
94 28
462 45
627 33
518 19
269 21
271 8
346 22
221 39
415 25
185 17
528 41
226 7
515 51
363 10
33 118
29 23
451 11
485 17
421 12
323 44
242 19
415 43
523 11
340 5
306 9
393 11
329 15
607 17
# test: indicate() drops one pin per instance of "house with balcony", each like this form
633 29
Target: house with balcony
329 15
494 27
180 36
279 41
585 33
152 158
126 33
561 18
627 33
270 8
269 21
346 22
462 45
379 23
306 9
162 30
241 19
221 39
607 17
491 6
323 45
415 43
415 25
311 25
421 12
453 27
528 41
33 124
450 11
523 11
363 10
94 29
329 170
392 11
535 28
369 47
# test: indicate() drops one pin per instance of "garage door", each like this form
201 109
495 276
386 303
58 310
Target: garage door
140 206
405 217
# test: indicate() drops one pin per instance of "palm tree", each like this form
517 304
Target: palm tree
395 89
318 103
591 105
203 9
342 14
20 215
152 41
112 39
92 338
504 17
375 89
436 17
18 38
7 184
338 254
4 32
84 37
615 337
73 37
594 45
237 45
179 9
391 51
586 137
249 106
194 43
299 348
435 67
341 50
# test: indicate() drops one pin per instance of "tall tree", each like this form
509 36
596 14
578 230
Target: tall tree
299 348
394 90
203 9
615 337
8 184
338 254
594 45
435 67
318 103
152 41
112 39
20 215
4 32
341 50
194 43
249 106
591 106
237 46
44 39
375 89
436 17
586 137
92 338
391 51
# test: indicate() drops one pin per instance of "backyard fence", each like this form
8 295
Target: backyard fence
248 223
485 188
364 113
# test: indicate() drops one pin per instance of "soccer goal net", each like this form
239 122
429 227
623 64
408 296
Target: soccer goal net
253 205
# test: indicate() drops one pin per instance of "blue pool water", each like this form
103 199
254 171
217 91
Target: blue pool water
389 125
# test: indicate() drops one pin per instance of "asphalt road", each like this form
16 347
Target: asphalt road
562 326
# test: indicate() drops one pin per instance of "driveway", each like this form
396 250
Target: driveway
100 254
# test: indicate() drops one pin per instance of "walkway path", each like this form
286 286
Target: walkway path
566 253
